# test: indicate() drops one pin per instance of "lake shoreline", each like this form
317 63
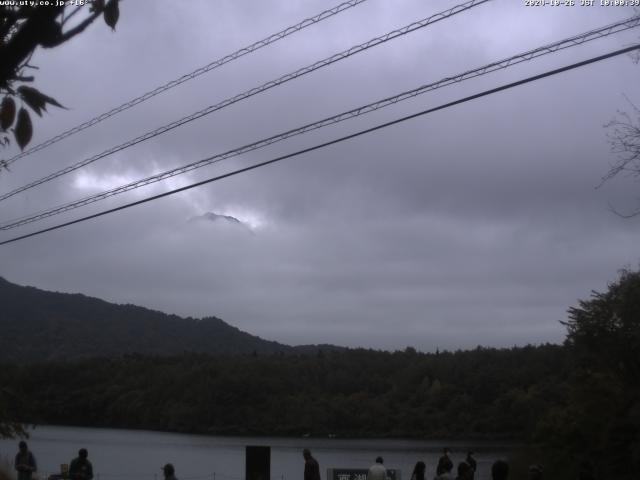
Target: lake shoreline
501 440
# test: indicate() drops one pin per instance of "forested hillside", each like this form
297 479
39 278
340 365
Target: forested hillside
484 392
38 325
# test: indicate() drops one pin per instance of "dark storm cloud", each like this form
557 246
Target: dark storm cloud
477 224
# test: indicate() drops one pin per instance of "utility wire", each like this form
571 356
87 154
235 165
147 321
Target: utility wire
362 110
333 142
189 76
249 93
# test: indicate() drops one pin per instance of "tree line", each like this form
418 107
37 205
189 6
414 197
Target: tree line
351 393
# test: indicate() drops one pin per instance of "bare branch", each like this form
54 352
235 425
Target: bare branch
624 139
613 210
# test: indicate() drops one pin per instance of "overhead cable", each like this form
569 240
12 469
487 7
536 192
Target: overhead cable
189 76
332 142
254 91
353 113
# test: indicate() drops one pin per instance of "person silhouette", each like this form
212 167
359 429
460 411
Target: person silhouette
80 467
25 462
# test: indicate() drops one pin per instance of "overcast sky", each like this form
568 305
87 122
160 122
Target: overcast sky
476 225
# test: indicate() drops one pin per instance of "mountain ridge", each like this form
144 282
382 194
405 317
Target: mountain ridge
40 325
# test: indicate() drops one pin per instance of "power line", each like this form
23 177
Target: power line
256 90
189 76
333 142
362 110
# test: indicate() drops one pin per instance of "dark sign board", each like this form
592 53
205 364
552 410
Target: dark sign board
358 474
258 463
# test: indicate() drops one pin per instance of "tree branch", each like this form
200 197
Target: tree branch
68 17
613 210
77 29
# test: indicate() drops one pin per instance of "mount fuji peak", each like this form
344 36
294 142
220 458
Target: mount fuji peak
215 217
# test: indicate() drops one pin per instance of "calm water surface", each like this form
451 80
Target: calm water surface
129 454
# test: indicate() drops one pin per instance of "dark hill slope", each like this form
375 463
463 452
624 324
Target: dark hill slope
37 325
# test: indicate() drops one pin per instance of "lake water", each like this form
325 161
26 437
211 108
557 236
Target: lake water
132 454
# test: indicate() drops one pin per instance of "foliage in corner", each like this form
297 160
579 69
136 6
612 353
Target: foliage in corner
598 428
23 28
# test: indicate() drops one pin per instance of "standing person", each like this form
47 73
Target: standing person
80 467
464 471
169 472
472 462
377 470
444 463
445 472
25 462
311 466
418 471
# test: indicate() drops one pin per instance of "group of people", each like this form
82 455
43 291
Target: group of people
444 470
25 464
80 467
466 469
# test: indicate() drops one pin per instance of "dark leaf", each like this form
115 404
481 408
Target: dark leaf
23 130
33 98
97 6
50 34
36 99
7 112
112 13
